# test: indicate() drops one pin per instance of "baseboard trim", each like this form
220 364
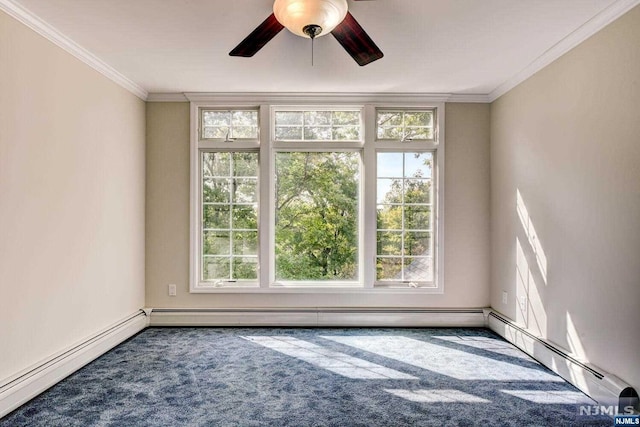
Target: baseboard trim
319 317
27 384
601 386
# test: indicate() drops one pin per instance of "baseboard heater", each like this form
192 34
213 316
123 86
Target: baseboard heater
612 394
25 385
319 317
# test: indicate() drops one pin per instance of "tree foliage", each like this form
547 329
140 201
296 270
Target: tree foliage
230 216
317 215
404 221
405 125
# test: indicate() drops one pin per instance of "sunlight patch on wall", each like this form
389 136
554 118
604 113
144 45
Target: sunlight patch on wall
436 396
534 241
531 272
444 360
523 277
339 363
578 351
575 343
537 321
530 310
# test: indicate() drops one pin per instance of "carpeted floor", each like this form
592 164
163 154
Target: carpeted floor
310 377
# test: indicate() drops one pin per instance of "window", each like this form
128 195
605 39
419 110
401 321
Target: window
402 125
286 199
229 124
317 208
317 216
318 125
229 217
404 226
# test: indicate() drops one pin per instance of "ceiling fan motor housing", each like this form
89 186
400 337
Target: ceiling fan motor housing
300 15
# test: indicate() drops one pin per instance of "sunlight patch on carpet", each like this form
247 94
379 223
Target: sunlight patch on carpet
489 344
436 396
443 360
563 397
339 363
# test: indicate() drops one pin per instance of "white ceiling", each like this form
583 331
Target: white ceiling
430 46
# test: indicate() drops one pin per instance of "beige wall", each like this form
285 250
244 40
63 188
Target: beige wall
568 140
72 185
466 224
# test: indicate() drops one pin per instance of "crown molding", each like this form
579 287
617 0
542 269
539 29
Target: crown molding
589 28
32 21
317 97
167 97
481 98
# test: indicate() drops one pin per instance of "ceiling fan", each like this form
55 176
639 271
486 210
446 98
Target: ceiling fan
311 19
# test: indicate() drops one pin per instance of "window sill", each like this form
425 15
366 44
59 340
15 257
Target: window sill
317 290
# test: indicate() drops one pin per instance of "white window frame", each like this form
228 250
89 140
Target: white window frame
434 127
229 138
200 145
267 147
305 108
436 147
433 231
303 146
222 283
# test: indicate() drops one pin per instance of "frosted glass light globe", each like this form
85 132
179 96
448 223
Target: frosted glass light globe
297 14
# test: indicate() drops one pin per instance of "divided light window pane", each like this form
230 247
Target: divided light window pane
316 207
405 125
229 233
223 124
404 218
323 125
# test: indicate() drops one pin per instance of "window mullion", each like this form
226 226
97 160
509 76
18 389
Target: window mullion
265 202
404 210
368 199
195 182
232 225
404 135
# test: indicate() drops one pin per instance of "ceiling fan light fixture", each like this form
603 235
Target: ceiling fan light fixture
296 15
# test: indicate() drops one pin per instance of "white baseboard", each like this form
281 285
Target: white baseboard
596 383
319 317
27 384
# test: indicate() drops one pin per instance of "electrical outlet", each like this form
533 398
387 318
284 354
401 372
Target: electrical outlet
504 297
172 290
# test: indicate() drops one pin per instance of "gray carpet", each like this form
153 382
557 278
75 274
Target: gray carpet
310 377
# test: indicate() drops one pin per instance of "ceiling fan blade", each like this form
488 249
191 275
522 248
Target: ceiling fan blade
258 37
356 41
